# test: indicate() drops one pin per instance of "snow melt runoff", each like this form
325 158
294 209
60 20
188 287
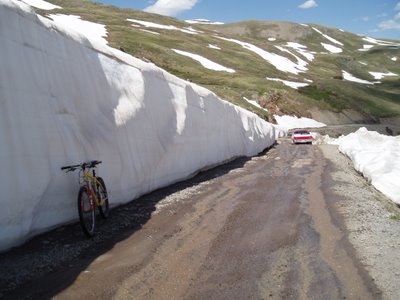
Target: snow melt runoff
66 99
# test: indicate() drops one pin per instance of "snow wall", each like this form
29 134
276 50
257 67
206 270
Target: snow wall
63 101
377 157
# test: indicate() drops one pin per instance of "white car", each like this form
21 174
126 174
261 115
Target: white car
302 136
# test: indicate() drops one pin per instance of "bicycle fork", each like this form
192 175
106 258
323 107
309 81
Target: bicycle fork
94 200
88 206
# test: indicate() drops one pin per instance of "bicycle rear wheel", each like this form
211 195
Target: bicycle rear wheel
86 209
103 198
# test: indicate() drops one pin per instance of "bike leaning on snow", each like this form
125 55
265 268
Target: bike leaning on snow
92 194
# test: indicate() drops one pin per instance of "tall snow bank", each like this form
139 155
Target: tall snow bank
377 157
63 102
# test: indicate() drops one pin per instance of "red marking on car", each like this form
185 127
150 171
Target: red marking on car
302 136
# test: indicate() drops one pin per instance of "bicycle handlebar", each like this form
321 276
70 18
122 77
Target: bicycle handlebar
89 165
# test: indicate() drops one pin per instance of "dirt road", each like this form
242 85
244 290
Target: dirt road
269 227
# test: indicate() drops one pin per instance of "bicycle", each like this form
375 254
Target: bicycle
92 193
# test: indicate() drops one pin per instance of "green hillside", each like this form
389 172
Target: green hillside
327 89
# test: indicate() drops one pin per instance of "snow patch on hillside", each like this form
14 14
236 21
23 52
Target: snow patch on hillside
328 37
292 84
92 31
331 48
255 103
166 27
378 42
205 62
349 77
191 29
211 46
292 122
279 62
301 49
149 31
301 63
366 48
379 76
203 21
41 4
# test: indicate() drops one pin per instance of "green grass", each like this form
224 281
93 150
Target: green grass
327 91
395 217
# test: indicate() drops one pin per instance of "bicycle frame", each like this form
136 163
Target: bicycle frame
91 182
92 194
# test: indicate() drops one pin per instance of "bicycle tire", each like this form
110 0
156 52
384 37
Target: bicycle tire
103 198
87 213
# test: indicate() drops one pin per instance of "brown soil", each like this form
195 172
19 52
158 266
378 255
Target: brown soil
261 228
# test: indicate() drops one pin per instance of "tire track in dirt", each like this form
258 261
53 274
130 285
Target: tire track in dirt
258 228
179 258
330 236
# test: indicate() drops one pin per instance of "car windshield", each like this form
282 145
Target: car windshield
302 132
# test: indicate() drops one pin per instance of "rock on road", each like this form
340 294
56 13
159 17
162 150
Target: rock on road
268 227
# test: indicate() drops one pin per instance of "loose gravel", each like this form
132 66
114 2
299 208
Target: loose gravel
372 220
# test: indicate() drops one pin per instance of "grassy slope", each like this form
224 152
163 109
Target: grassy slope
328 91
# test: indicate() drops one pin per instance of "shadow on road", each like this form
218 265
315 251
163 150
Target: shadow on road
59 256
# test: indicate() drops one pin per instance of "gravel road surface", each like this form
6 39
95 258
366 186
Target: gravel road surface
295 222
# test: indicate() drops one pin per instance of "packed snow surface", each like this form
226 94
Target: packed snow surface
66 99
205 62
377 157
291 84
291 122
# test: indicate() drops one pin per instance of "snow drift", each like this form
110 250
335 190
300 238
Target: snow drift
65 100
377 157
292 122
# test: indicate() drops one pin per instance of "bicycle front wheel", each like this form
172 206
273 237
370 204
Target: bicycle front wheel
87 216
103 198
